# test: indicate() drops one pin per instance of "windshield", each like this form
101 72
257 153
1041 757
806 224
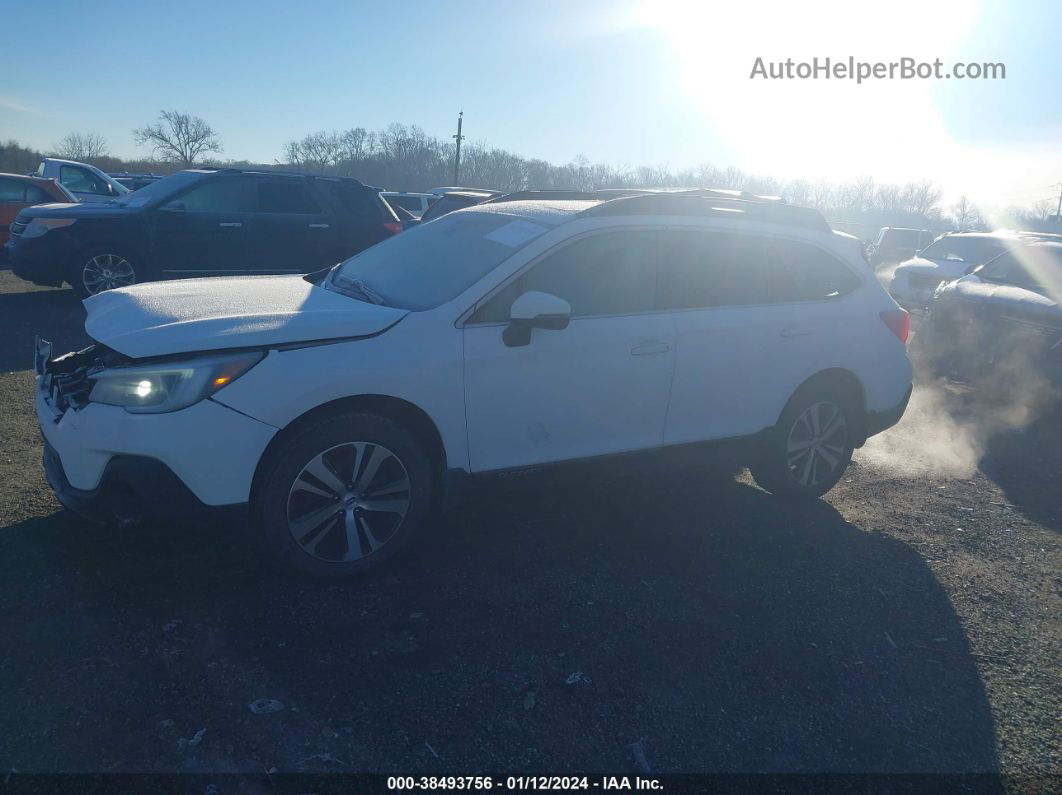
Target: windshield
159 189
1032 267
965 249
434 263
907 238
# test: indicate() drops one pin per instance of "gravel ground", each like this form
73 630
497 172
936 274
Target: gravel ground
908 622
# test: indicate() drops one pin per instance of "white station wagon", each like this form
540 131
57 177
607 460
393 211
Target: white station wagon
344 409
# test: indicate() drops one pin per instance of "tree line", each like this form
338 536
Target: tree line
405 158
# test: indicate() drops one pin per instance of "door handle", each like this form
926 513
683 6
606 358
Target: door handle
318 226
230 224
796 331
650 349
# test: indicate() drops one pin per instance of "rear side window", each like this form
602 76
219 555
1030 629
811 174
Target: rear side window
286 197
802 272
35 195
230 195
712 269
11 190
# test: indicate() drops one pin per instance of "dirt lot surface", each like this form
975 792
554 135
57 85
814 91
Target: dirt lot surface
908 622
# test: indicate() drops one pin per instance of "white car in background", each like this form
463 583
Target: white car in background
949 257
86 182
416 204
345 410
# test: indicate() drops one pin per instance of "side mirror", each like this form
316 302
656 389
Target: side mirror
173 207
535 310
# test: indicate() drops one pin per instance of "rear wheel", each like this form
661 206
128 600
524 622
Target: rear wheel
102 269
343 495
810 448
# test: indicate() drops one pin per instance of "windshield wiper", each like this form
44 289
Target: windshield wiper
361 287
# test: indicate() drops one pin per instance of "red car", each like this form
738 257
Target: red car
17 191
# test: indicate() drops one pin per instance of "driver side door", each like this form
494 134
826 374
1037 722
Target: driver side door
597 387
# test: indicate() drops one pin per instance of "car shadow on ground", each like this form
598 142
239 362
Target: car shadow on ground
1026 463
56 315
550 630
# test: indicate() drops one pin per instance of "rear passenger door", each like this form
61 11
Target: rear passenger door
729 357
754 317
292 231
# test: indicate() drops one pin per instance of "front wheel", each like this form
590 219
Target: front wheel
102 269
343 495
809 449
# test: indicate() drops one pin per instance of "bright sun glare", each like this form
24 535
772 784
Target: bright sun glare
815 128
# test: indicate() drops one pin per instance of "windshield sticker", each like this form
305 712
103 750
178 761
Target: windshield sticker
515 233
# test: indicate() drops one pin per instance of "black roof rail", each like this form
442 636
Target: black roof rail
712 202
277 173
575 195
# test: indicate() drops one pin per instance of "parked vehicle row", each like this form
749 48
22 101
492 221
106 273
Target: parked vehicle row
197 223
358 403
949 257
896 244
1000 326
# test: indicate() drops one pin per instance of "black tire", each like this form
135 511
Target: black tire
796 474
360 528
120 267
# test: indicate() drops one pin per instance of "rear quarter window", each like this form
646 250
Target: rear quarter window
803 272
356 200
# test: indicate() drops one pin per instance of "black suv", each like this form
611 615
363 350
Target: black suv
205 222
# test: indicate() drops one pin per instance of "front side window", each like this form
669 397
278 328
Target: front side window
702 269
220 196
607 274
80 180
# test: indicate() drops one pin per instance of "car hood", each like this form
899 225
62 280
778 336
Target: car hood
194 315
1010 299
77 210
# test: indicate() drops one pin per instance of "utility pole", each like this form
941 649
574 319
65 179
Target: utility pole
457 155
1058 211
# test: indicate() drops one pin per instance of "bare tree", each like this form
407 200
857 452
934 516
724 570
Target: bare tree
179 137
966 215
1042 209
85 147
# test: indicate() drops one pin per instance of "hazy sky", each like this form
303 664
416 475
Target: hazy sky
630 82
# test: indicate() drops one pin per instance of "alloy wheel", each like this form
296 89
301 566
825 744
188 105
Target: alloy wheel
106 272
348 502
816 444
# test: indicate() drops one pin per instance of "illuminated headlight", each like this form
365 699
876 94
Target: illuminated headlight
38 227
159 388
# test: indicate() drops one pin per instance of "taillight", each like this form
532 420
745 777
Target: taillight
899 323
394 227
